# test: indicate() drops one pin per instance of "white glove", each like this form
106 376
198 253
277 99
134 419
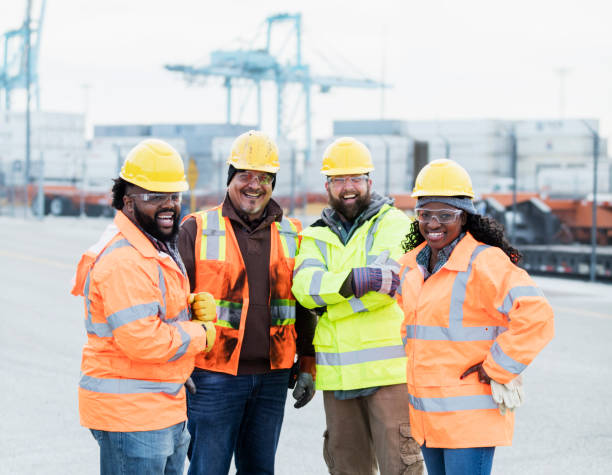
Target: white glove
389 270
508 396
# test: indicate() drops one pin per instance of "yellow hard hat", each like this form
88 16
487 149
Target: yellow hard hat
155 166
346 156
443 177
254 150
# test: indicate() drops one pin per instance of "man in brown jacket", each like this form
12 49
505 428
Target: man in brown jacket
242 252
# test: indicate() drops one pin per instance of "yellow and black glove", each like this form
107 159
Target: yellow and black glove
203 307
211 334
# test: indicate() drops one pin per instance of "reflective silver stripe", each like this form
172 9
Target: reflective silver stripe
128 386
505 361
98 329
116 245
454 403
186 340
230 315
357 305
315 287
212 232
405 337
290 236
282 312
360 356
308 263
517 292
402 277
322 245
456 331
162 288
184 315
136 312
372 231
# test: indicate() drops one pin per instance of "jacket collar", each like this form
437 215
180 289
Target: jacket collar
459 259
272 212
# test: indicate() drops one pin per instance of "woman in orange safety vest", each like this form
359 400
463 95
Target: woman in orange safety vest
473 321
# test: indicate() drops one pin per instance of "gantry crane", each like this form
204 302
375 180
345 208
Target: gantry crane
259 65
14 64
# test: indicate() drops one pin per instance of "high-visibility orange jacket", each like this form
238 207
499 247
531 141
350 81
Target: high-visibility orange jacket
220 270
140 346
477 307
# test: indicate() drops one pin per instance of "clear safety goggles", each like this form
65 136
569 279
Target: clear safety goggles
248 177
159 198
342 180
443 216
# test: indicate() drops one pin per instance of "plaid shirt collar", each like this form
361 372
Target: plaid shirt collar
169 247
443 256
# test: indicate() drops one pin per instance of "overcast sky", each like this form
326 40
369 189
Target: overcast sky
445 59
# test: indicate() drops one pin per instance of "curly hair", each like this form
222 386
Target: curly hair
483 228
119 190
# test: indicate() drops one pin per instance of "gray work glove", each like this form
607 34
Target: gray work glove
508 396
190 385
304 390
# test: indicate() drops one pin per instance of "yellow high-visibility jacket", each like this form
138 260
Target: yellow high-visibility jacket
357 340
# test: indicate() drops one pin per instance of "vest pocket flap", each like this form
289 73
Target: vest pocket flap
323 336
379 329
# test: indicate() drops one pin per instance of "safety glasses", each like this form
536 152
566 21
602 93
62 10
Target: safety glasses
248 177
342 180
159 198
443 216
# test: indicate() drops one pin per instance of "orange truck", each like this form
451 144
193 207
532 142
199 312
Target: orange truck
62 199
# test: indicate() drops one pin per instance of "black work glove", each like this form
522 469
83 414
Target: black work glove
304 390
483 377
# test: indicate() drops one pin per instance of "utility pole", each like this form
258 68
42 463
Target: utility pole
593 264
27 67
514 164
593 274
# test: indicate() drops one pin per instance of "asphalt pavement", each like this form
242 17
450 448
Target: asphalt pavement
565 426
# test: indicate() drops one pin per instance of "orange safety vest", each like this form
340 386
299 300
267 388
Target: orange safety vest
477 307
220 270
141 345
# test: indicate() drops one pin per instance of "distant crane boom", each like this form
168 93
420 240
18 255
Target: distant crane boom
14 50
259 65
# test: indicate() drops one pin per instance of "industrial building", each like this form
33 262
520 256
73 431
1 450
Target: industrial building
56 139
193 141
554 157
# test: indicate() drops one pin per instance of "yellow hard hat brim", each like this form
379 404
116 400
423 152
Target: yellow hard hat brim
240 165
347 171
159 186
439 192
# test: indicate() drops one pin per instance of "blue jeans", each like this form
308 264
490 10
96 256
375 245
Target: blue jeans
149 452
472 461
235 415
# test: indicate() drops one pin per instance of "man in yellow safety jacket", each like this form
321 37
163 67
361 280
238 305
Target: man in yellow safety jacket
141 346
346 269
243 252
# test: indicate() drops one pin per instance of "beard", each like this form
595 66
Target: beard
151 227
350 211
